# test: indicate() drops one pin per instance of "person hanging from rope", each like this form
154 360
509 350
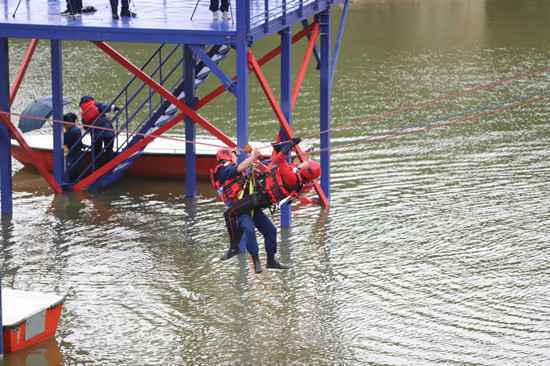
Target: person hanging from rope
93 115
230 180
274 184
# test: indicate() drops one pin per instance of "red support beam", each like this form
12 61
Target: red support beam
23 68
303 68
38 164
261 61
86 182
6 120
281 117
194 116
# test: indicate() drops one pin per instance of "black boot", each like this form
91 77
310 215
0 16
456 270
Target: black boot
274 264
257 264
229 253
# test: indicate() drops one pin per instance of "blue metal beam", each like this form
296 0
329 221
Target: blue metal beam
214 68
57 104
286 105
339 38
243 19
5 156
117 35
190 128
325 100
5 137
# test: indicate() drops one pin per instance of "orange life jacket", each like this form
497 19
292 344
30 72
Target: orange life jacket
89 111
276 188
228 190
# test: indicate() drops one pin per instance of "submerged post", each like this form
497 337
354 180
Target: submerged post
286 105
5 137
325 100
57 105
190 129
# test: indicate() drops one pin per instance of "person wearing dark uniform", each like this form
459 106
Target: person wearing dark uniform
229 180
72 139
74 7
93 114
215 8
124 10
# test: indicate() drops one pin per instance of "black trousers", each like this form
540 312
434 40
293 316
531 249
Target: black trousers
215 5
74 6
124 9
102 144
239 207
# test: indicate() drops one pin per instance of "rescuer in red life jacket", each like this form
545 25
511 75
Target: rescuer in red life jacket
280 181
229 180
93 114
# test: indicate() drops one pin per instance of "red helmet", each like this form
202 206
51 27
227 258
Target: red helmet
311 171
225 154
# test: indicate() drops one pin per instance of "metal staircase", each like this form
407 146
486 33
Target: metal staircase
143 110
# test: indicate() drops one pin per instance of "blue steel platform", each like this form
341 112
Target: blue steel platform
157 21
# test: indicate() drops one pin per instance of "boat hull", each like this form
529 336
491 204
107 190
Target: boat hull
147 165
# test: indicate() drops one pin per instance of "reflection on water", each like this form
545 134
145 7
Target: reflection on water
435 248
46 353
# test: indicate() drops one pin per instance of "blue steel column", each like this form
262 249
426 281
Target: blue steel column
243 22
57 104
5 155
190 129
5 139
286 105
325 100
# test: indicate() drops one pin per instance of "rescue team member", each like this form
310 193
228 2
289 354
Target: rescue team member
73 147
281 181
229 179
103 137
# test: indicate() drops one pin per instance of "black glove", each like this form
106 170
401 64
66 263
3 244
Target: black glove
295 141
115 108
290 144
276 146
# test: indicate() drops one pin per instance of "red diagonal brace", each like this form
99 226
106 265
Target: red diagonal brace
85 183
23 68
194 116
303 68
14 132
39 164
261 61
281 117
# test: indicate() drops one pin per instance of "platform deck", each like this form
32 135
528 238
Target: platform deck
156 21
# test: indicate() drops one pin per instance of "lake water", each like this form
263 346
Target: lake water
435 250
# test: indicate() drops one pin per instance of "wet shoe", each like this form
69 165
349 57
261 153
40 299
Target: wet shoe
272 263
257 264
115 16
128 14
229 253
215 15
66 12
225 15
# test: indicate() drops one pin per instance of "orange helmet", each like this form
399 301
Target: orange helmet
225 154
311 171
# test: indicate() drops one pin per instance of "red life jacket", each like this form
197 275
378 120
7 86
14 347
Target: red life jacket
276 188
89 111
230 189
